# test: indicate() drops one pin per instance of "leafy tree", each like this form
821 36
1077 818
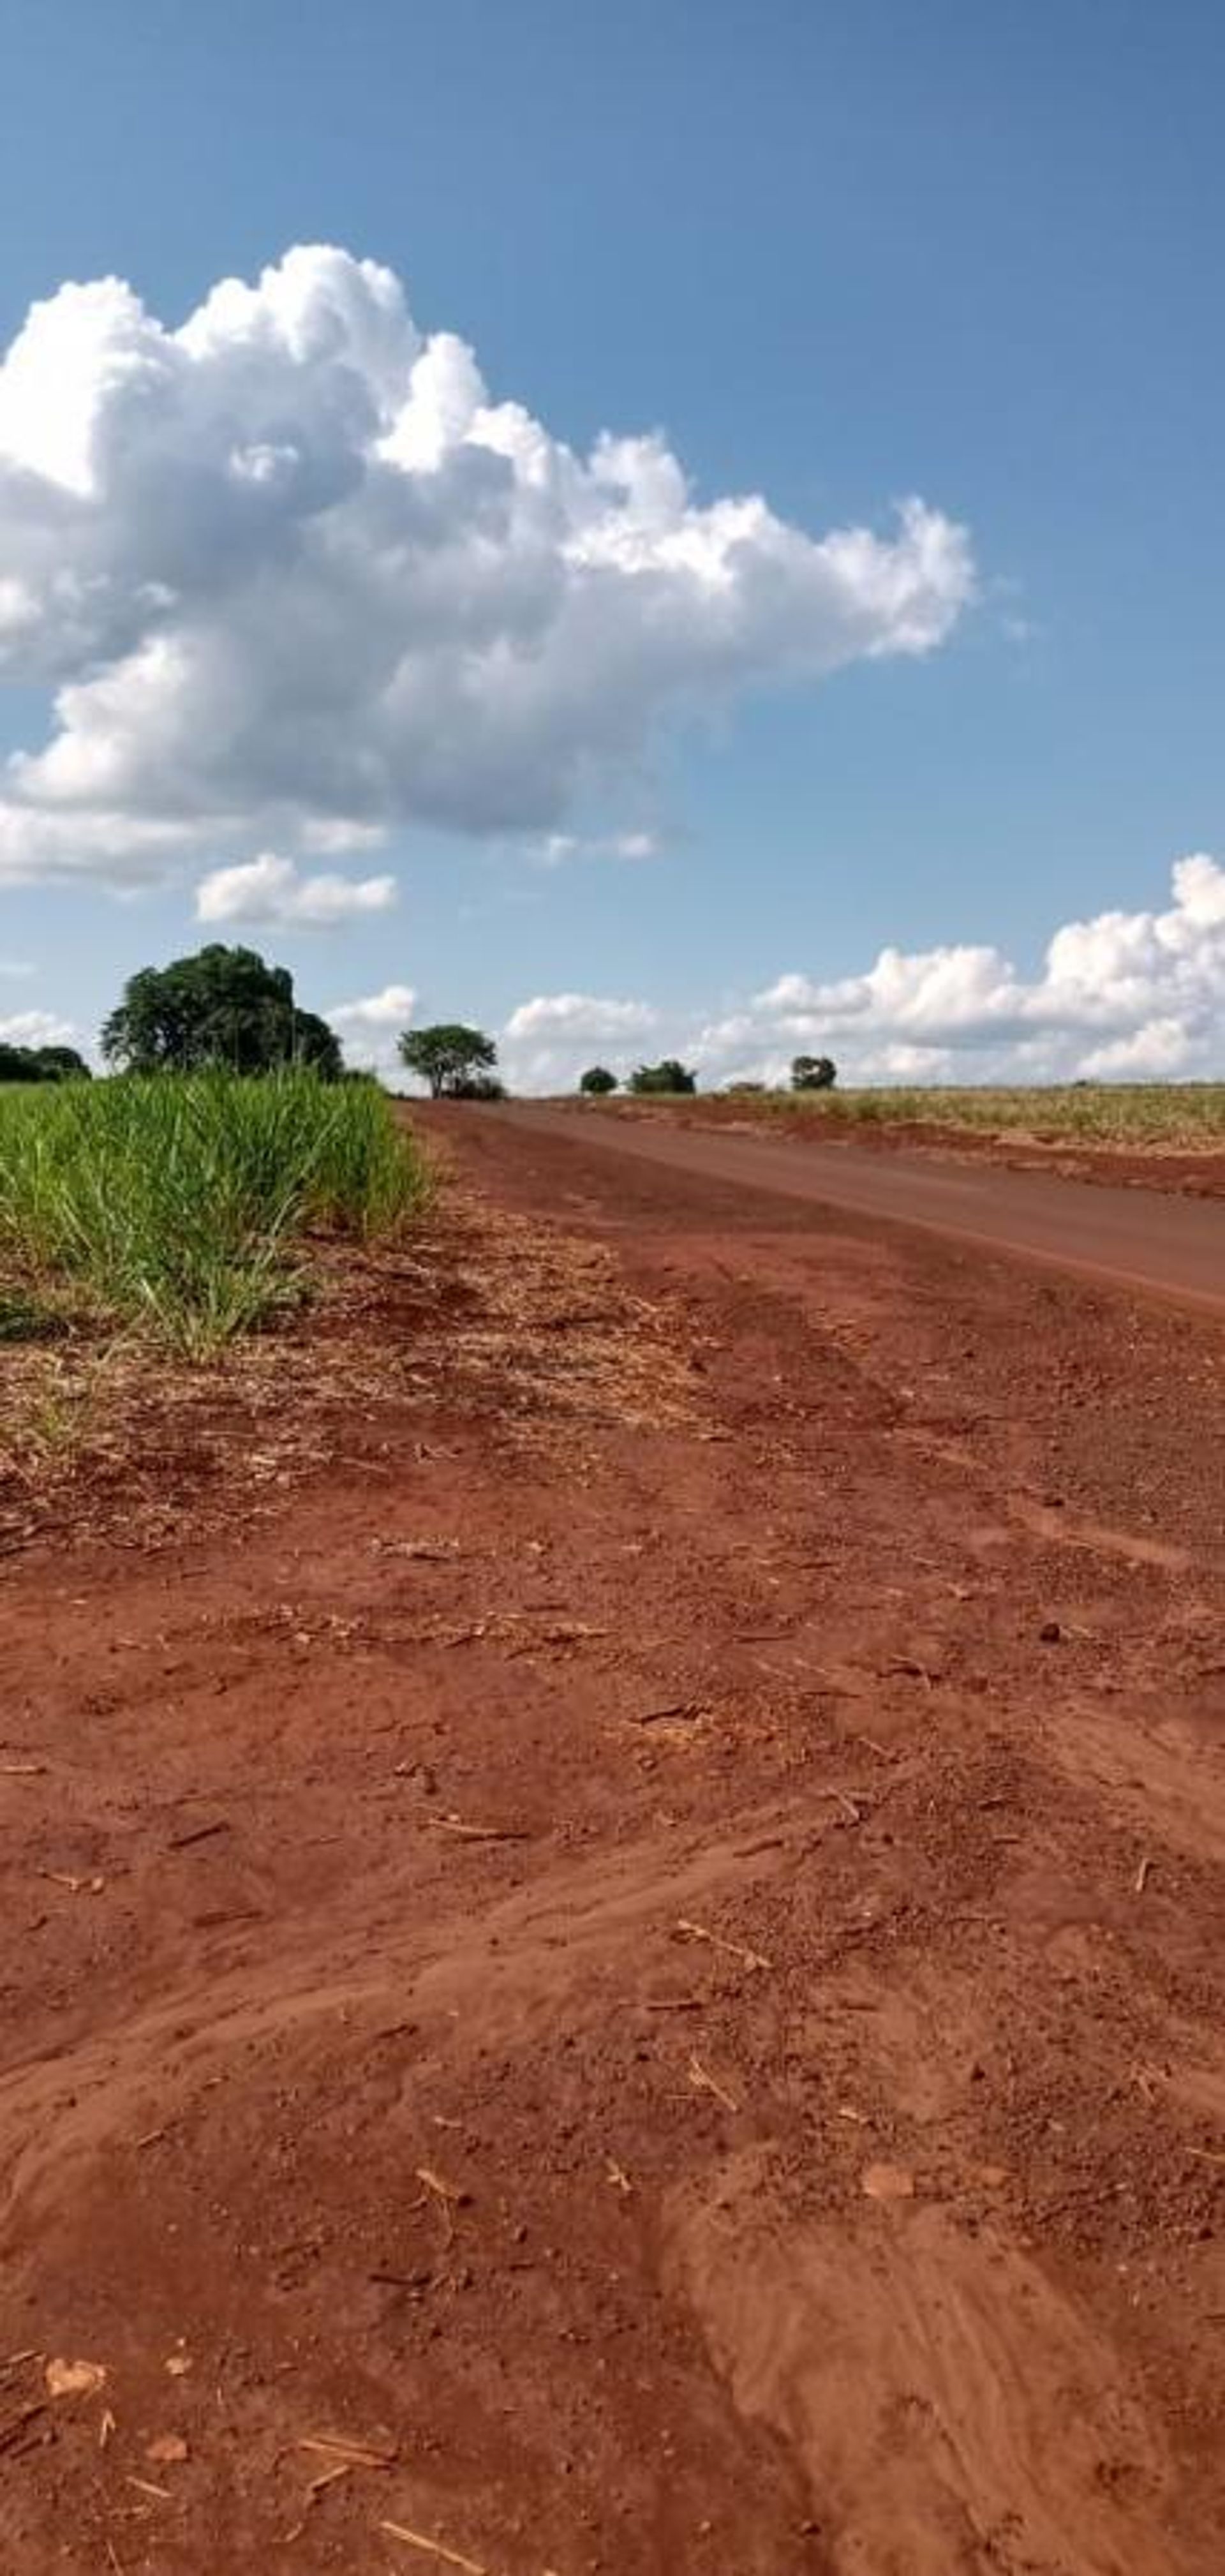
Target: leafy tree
61 1064
222 1006
669 1076
598 1081
455 1060
41 1064
813 1073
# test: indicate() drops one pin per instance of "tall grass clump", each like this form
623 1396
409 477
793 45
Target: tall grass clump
183 1202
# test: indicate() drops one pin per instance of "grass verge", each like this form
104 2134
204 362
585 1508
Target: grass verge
1186 1116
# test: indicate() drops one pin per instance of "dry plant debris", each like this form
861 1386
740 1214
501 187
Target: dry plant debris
887 2182
734 1949
74 2378
704 2082
432 2548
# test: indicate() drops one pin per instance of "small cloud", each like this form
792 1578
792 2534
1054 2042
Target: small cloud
269 890
391 1009
583 1015
559 847
37 1028
633 845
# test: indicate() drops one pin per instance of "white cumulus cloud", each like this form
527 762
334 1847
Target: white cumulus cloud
292 575
1119 973
391 1009
36 1028
576 1015
1122 995
272 890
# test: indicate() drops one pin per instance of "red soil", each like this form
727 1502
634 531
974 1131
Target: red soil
641 1938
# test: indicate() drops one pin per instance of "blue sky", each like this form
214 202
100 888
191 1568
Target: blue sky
837 255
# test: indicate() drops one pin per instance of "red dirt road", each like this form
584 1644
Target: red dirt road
1133 1238
626 1977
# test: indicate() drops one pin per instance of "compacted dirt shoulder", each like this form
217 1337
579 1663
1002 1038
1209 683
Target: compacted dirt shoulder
616 1967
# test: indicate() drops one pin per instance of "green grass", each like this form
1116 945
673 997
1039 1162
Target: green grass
184 1205
1185 1116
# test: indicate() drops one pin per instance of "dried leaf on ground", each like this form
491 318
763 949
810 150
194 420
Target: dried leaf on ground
74 2378
887 2182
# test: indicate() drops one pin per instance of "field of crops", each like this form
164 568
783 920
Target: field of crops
1182 1116
185 1206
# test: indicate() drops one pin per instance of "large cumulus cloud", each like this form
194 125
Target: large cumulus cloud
294 578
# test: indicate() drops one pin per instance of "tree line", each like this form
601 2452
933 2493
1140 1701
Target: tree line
671 1077
226 1006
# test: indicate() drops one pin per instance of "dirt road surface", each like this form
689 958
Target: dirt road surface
1131 1237
626 1978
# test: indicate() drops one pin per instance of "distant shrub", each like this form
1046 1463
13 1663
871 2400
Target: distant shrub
813 1073
476 1086
670 1077
597 1081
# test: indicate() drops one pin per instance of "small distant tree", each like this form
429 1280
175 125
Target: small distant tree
598 1081
457 1061
670 1076
813 1073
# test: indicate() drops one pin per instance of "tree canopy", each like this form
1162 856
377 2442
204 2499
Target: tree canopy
42 1064
668 1076
598 1081
456 1061
222 1006
813 1073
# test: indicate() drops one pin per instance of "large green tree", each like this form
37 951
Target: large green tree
456 1061
222 1006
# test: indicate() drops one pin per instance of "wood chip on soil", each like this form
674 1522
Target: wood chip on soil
734 1949
432 2548
704 2082
480 1833
350 2454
